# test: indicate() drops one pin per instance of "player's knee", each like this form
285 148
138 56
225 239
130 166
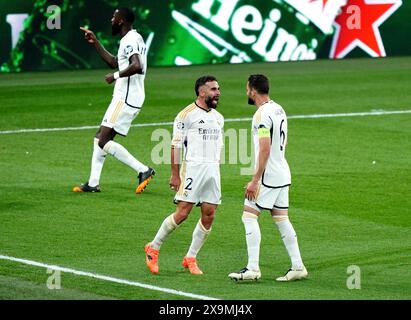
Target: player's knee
252 208
207 211
184 207
182 212
207 217
180 216
211 215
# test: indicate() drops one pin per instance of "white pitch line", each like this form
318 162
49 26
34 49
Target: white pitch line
160 124
107 278
352 114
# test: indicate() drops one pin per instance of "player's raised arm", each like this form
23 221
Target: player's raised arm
103 53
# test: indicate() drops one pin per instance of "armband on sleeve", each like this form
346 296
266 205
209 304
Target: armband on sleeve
263 133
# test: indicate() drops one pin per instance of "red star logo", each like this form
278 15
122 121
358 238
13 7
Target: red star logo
324 2
357 26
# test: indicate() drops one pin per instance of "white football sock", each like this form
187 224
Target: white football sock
97 162
121 153
253 239
167 227
200 235
289 238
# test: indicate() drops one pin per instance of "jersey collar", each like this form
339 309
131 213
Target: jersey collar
265 103
195 102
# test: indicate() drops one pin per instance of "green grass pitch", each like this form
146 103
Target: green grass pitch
349 203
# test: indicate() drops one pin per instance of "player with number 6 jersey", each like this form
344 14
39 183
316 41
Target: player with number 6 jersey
271 120
268 189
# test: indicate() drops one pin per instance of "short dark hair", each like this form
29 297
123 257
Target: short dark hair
127 14
202 81
259 82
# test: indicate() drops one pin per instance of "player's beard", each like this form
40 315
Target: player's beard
115 29
251 101
210 102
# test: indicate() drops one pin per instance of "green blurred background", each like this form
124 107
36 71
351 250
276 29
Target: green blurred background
41 48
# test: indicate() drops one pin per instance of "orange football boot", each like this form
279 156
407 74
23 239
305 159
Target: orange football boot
190 263
151 258
144 179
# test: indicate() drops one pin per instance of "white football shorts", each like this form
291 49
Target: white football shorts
200 182
270 198
119 116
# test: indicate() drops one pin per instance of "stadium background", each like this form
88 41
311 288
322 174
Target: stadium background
39 48
349 151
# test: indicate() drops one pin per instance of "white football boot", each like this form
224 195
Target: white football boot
295 274
245 274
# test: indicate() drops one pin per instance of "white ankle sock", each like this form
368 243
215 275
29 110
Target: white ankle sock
97 162
121 153
167 227
200 235
253 239
289 238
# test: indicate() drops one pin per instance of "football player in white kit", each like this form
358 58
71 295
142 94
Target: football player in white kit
127 101
268 188
198 129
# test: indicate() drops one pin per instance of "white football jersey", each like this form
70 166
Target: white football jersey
200 132
131 89
273 117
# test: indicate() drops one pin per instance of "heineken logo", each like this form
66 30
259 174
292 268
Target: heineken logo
239 31
209 31
254 33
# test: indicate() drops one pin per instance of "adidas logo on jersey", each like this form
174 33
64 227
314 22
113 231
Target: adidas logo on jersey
201 121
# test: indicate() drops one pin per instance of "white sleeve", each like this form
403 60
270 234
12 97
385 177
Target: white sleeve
131 47
221 123
264 121
141 46
180 128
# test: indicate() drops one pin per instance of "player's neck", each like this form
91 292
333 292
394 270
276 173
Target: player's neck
124 30
261 100
202 105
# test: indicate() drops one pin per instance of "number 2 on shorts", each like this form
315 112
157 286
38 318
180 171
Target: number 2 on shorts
189 182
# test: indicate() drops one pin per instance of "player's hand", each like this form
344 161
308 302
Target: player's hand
175 182
89 35
110 78
251 190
